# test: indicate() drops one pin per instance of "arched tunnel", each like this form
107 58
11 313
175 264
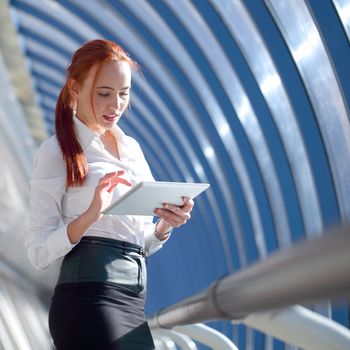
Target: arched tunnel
250 96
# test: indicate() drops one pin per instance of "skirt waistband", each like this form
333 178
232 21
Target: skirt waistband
126 247
105 260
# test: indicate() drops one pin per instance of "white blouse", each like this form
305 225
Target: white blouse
53 207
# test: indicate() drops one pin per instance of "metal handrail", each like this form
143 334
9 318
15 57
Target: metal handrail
301 327
311 270
182 341
208 336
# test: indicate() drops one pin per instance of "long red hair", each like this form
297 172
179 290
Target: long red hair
92 53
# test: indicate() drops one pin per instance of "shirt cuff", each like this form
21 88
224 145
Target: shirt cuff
58 242
154 244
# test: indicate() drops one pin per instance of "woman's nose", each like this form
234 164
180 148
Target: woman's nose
116 104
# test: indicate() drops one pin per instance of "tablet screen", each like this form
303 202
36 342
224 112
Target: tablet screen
144 197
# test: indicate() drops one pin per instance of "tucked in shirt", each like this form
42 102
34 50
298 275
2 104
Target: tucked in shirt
53 206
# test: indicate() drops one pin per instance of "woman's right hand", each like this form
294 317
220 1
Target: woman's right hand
102 199
104 192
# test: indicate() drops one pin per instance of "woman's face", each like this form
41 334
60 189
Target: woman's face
110 95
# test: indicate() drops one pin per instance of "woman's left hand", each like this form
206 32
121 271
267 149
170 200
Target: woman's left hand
173 215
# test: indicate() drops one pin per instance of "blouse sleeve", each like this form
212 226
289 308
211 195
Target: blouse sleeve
153 244
48 239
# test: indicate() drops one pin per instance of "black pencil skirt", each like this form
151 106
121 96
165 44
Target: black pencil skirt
98 303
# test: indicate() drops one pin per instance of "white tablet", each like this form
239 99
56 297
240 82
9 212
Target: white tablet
144 197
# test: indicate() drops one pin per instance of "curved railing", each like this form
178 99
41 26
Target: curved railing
311 270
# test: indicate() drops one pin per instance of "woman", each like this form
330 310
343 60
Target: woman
98 301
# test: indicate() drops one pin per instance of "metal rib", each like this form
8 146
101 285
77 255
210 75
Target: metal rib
240 25
294 20
343 9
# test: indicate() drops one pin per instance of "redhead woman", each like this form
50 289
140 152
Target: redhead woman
98 302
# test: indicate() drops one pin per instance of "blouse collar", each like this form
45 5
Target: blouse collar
86 135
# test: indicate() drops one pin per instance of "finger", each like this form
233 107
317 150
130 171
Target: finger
112 187
121 181
103 185
181 211
173 221
107 177
112 176
177 219
113 184
162 215
188 204
174 208
118 179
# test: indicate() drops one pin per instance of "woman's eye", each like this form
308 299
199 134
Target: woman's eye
103 95
124 94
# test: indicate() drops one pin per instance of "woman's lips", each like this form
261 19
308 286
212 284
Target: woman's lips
110 117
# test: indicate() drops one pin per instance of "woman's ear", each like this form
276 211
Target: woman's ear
73 88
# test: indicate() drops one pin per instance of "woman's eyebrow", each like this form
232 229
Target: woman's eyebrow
104 87
110 88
